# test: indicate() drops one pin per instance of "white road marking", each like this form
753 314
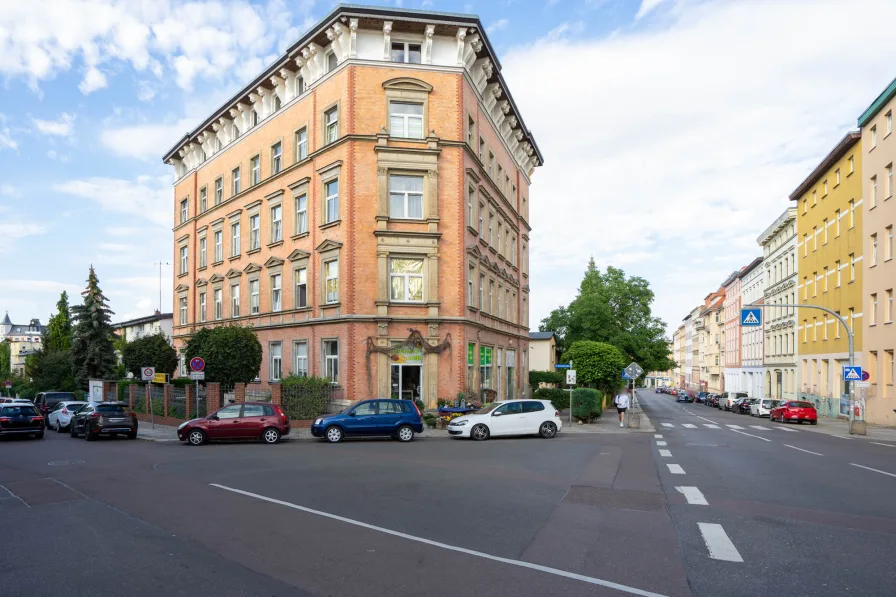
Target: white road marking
751 435
717 542
887 445
801 450
675 469
704 418
668 425
471 552
661 443
873 469
689 425
658 436
693 496
735 427
665 453
782 428
759 427
710 426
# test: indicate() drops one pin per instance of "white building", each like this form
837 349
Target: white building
752 338
781 348
146 326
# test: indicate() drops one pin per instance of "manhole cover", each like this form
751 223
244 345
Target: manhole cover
64 462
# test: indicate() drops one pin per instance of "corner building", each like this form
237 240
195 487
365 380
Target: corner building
374 180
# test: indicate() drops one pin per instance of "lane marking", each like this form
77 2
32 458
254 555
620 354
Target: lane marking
689 425
887 445
751 435
759 427
735 427
693 496
675 469
661 443
710 426
665 453
717 542
782 428
472 552
801 450
658 436
837 436
668 425
873 469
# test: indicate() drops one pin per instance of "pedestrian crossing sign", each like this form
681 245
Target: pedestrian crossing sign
750 317
852 373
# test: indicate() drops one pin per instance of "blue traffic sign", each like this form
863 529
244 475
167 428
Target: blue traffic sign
561 366
625 374
751 318
852 373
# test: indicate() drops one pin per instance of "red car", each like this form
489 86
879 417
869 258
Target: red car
794 410
245 421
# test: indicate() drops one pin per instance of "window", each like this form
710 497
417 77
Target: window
277 103
405 197
235 181
331 360
814 283
501 176
184 211
276 158
202 307
276 224
300 358
852 213
873 249
513 251
889 180
873 136
276 350
470 279
491 226
183 311
202 243
500 236
872 304
482 292
837 267
406 120
331 281
253 118
255 171
332 61
825 278
184 260
406 52
331 125
814 238
219 246
219 191
331 194
825 189
234 300
889 248
873 192
471 194
301 279
471 130
852 164
481 150
805 287
254 232
301 144
814 198
300 85
889 118
805 245
805 205
406 279
837 177
837 222
276 293
852 267
301 214
491 165
888 308
253 297
824 229
203 199
235 239
219 303
491 297
485 366
481 212
230 412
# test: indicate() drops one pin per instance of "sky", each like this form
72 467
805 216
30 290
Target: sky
673 131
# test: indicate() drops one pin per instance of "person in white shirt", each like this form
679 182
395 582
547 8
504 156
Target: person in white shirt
621 401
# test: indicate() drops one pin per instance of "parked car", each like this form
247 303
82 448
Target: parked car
103 418
701 396
16 401
762 408
61 416
743 407
731 399
794 410
399 419
509 417
21 419
244 421
47 401
684 396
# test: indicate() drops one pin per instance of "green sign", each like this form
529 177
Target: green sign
471 350
485 356
407 355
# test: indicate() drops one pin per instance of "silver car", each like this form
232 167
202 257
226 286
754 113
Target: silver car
61 416
762 408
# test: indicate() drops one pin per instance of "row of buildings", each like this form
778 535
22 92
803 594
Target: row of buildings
832 247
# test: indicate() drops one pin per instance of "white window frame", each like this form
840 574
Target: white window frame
406 281
407 195
300 281
331 201
276 223
331 361
331 57
234 300
255 169
300 361
302 213
203 306
235 181
219 191
331 297
405 51
235 241
184 210
276 293
276 158
395 107
331 125
219 245
254 232
301 144
184 259
203 199
254 297
218 297
183 311
203 249
275 370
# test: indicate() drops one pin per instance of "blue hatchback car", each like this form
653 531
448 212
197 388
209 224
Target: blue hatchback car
400 419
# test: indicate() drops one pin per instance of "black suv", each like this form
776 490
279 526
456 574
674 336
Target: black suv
103 418
47 401
20 419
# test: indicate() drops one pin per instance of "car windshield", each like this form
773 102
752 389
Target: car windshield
486 408
803 405
16 411
110 409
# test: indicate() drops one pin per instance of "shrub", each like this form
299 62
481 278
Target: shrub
559 398
304 397
586 404
420 406
536 378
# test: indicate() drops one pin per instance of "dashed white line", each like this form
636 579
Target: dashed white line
887 445
710 426
689 425
760 428
837 436
868 468
693 496
658 436
717 542
665 453
661 443
802 450
782 428
751 435
734 427
668 425
675 469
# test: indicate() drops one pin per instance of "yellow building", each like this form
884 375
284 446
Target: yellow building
829 272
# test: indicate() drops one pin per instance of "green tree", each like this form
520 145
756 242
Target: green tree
93 352
149 351
59 329
232 354
5 359
615 309
51 371
597 364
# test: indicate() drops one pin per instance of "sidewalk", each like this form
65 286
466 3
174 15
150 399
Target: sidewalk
841 428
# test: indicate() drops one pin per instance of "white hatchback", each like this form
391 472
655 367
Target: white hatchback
61 416
762 408
509 417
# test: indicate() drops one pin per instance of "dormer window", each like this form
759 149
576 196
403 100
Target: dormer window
331 62
406 52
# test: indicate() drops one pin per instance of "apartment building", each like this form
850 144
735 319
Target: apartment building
752 338
878 266
778 243
829 263
372 181
731 316
712 361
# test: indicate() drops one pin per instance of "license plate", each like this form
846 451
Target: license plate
117 420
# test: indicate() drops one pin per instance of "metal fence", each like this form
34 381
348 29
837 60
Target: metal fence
199 406
228 395
308 403
157 399
177 402
139 397
255 393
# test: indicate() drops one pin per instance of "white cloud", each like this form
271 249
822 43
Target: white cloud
646 7
146 141
11 230
60 128
7 190
93 80
498 25
145 91
686 138
147 198
6 140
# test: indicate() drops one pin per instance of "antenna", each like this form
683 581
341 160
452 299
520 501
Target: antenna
160 264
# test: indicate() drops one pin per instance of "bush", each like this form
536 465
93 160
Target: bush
559 398
304 397
536 378
586 404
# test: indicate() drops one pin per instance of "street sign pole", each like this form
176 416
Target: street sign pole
570 396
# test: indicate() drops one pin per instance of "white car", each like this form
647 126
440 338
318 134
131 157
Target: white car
762 408
61 416
509 417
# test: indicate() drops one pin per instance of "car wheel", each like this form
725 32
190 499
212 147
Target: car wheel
479 432
196 437
547 430
87 435
132 435
59 427
813 422
334 434
404 434
39 435
270 436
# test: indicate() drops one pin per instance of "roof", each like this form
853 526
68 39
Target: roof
844 145
541 335
776 226
6 320
878 103
747 269
142 320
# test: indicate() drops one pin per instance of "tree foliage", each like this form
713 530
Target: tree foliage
587 404
536 378
614 309
597 364
232 354
5 359
93 352
149 351
51 371
59 329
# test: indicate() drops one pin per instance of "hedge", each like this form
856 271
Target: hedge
536 378
587 404
559 398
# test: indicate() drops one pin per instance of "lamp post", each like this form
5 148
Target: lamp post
160 264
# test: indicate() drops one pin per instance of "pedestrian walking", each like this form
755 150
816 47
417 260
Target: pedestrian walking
621 401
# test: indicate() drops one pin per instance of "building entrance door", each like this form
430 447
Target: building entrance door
778 384
407 373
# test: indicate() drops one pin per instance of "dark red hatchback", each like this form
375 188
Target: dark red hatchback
245 421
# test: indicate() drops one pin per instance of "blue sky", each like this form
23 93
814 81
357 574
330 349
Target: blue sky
685 124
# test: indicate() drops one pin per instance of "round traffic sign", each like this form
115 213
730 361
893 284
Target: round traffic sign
197 364
148 372
865 376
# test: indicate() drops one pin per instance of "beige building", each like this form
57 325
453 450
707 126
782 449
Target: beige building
543 353
24 340
711 342
678 378
879 267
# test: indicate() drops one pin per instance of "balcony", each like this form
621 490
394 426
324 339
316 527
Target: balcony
699 324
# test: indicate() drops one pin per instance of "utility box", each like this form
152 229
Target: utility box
95 387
